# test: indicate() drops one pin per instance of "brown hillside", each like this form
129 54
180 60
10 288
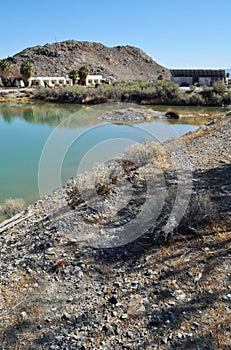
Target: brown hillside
120 62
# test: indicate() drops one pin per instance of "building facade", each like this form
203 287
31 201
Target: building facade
50 81
199 77
91 80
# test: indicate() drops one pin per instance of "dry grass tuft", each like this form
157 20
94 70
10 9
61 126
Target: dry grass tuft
11 207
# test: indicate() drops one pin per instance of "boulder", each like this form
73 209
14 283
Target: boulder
171 115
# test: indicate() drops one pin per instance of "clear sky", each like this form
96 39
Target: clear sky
175 33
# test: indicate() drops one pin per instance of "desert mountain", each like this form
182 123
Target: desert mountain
113 63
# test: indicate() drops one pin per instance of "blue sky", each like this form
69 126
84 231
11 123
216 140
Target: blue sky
175 33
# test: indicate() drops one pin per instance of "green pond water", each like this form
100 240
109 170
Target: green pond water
43 145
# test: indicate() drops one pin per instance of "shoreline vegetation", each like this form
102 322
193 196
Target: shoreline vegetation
159 92
157 292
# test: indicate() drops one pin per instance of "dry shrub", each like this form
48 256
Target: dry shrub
11 207
99 181
138 154
103 178
201 210
160 153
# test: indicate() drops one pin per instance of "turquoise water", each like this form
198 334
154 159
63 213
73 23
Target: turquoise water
39 141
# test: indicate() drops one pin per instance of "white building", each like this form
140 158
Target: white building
91 80
50 81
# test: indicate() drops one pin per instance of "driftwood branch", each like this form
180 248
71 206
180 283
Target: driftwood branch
15 220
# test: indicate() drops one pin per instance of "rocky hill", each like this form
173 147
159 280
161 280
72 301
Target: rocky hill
113 63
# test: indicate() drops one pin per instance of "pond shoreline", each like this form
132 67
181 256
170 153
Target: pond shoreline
9 95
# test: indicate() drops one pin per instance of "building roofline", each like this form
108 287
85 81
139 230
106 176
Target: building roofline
198 73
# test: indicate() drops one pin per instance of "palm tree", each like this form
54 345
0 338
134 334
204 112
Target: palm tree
83 73
4 65
4 71
73 74
27 70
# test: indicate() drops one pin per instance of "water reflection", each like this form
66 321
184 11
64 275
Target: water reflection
53 114
39 113
26 127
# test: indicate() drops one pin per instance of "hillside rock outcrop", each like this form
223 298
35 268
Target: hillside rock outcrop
113 63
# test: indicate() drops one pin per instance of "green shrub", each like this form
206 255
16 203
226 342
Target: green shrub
219 87
227 98
196 99
138 91
216 99
193 88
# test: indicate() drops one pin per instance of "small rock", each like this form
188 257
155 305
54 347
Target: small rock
124 316
23 315
79 274
196 324
164 340
66 316
129 334
108 329
197 277
113 300
117 284
171 315
117 330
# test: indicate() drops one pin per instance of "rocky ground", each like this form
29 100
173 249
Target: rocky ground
15 94
158 292
135 114
131 115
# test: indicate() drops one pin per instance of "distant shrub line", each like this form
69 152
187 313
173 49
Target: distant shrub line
141 92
